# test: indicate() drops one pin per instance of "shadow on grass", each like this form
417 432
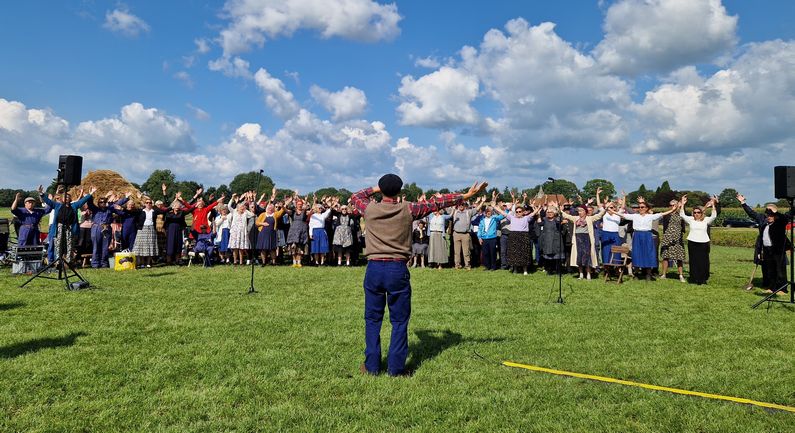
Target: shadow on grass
433 343
159 274
37 344
11 306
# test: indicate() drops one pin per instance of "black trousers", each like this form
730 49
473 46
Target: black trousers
699 261
490 253
775 261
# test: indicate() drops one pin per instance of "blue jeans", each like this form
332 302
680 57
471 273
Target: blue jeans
386 283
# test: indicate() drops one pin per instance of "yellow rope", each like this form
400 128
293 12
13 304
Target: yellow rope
648 386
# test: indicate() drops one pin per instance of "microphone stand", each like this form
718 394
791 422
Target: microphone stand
559 267
251 289
562 251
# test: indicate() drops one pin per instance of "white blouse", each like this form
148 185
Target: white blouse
641 223
318 221
610 223
150 220
698 229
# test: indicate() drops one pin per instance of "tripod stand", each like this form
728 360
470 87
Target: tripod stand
63 274
791 283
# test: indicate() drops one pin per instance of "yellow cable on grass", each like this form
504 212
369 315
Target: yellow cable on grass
648 386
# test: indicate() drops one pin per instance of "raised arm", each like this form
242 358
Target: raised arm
419 210
687 219
16 200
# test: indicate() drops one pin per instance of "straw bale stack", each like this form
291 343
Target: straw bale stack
104 181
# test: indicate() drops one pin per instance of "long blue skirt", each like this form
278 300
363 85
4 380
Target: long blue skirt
223 245
319 241
644 252
609 240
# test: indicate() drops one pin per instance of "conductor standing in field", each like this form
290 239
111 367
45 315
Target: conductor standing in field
387 280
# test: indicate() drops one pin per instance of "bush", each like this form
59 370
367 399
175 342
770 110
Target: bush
734 237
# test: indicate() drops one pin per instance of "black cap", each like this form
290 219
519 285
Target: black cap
390 184
769 212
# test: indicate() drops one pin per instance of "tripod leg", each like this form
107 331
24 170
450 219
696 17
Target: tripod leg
770 296
74 271
49 266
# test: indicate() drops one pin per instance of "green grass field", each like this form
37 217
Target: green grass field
182 350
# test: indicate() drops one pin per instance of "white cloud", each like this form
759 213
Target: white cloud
439 99
234 68
277 97
657 36
202 45
254 21
428 62
185 78
550 93
121 21
311 152
198 113
748 104
138 129
345 104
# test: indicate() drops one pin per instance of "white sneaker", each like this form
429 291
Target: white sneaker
248 262
525 273
682 278
588 276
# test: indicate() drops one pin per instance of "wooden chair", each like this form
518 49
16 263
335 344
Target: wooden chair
615 253
85 260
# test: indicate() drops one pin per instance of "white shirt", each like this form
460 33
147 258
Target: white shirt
149 221
641 223
318 221
610 223
766 241
698 229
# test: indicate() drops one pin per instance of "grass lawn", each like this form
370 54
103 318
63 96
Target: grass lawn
182 350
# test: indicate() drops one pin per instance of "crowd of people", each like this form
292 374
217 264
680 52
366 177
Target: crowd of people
521 235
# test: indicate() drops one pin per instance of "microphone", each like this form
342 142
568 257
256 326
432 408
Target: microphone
551 179
261 171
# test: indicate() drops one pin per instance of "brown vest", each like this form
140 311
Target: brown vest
388 230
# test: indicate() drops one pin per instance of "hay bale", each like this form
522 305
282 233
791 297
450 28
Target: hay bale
104 181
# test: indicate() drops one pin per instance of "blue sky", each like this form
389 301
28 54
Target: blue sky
323 93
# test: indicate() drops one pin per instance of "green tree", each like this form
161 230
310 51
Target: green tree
781 203
728 198
330 191
564 187
642 191
187 187
663 195
411 191
589 189
156 179
696 198
248 182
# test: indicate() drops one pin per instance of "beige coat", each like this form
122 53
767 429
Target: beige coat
589 222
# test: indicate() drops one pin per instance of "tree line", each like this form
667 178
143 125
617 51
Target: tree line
658 197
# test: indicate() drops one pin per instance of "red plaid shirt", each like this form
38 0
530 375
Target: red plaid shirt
361 199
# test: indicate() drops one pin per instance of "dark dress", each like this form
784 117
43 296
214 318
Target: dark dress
175 224
266 238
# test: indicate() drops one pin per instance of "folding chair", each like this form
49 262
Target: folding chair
616 252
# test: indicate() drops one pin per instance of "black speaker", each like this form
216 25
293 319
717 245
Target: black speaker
70 168
784 180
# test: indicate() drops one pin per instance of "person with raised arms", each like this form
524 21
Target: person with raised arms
387 279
